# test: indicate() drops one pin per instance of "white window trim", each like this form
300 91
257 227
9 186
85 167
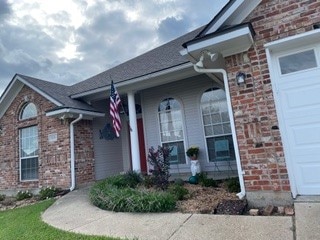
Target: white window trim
183 128
22 158
212 163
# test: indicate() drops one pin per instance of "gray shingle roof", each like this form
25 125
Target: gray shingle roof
58 92
158 59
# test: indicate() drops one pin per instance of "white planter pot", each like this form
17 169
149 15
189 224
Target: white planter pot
195 167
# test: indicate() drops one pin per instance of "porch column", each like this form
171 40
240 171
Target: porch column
135 153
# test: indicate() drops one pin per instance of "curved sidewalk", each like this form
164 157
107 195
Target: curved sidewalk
73 212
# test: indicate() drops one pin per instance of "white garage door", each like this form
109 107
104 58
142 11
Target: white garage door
296 80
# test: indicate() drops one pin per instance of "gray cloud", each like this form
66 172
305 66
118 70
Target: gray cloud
170 28
5 8
107 37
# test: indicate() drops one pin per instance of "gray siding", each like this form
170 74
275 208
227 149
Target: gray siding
108 154
188 92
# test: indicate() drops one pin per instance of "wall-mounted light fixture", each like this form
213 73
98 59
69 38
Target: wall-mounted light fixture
213 57
200 62
240 78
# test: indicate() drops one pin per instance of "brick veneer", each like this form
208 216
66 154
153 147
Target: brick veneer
260 144
54 157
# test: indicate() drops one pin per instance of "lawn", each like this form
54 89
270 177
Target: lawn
25 223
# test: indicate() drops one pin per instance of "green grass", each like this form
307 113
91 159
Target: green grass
25 223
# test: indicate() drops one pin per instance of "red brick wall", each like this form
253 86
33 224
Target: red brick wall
260 145
54 157
84 152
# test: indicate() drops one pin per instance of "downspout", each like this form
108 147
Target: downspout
242 192
72 153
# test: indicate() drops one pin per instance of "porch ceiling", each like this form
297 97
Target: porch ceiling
144 82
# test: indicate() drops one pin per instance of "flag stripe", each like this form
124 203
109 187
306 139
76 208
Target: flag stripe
114 109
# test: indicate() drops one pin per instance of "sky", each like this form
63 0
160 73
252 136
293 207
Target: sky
67 41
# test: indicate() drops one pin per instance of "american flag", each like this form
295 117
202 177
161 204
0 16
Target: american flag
114 109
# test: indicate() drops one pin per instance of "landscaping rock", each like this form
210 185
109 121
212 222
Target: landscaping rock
254 212
268 210
280 210
289 211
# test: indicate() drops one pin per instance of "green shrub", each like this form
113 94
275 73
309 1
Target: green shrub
178 191
130 179
209 182
48 192
233 184
179 181
147 181
23 195
2 197
110 197
205 181
159 160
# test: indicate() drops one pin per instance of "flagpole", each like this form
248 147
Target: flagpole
123 109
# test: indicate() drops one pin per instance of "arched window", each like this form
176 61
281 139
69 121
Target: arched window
217 125
171 129
29 110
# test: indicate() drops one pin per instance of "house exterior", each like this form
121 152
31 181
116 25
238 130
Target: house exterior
243 88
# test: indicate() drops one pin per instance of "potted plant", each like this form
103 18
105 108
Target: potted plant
193 152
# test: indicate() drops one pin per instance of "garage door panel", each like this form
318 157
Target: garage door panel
300 101
302 97
298 107
310 174
305 135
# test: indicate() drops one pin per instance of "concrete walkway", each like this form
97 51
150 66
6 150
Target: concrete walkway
74 213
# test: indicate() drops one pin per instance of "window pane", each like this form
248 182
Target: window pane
171 129
206 119
225 117
216 118
208 130
29 168
221 148
29 153
226 128
28 111
298 62
177 155
217 129
29 141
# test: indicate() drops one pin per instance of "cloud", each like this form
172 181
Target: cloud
5 9
72 40
171 27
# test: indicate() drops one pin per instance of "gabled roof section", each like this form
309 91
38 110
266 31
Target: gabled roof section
159 59
226 33
233 13
55 93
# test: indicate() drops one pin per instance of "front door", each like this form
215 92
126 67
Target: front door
296 80
143 160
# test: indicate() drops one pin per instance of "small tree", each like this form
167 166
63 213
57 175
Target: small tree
159 160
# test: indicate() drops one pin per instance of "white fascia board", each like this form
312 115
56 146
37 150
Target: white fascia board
51 99
134 80
224 17
74 111
243 10
9 95
296 41
227 44
239 10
